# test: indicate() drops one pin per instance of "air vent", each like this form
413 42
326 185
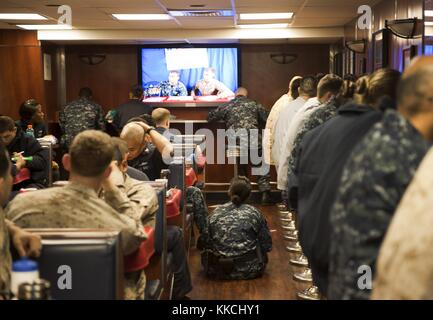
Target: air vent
200 13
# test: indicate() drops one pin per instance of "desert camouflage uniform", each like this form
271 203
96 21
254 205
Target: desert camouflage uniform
5 256
213 87
78 116
317 118
238 233
77 206
168 90
374 180
244 119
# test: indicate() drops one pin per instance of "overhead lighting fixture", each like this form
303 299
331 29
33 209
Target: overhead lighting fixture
264 26
406 28
266 16
21 16
200 13
141 16
428 23
428 13
357 46
45 26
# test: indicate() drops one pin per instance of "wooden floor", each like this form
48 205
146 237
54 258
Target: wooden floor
276 284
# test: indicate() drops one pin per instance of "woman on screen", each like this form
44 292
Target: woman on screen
209 86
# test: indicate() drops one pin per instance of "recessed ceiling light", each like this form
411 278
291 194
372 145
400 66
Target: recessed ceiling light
21 16
266 16
45 26
264 26
428 13
141 16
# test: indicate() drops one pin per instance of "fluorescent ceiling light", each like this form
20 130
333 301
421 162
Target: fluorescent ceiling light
428 23
266 16
21 16
428 13
45 26
263 26
140 16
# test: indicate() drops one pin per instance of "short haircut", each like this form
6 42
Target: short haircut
147 119
120 148
294 87
6 124
413 90
240 190
4 161
308 86
137 91
91 153
175 71
329 83
160 114
28 109
212 69
85 92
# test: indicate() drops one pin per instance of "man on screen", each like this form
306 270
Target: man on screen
173 87
209 86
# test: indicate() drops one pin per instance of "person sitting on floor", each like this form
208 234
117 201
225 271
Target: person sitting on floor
238 238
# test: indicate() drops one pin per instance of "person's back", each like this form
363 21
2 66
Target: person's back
385 162
241 113
134 107
238 237
80 115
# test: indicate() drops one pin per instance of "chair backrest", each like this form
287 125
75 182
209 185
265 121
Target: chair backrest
188 139
89 260
137 174
161 225
45 144
176 178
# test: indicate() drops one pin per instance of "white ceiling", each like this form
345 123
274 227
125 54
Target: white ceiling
96 14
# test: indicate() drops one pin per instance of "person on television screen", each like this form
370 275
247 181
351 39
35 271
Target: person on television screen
209 86
173 87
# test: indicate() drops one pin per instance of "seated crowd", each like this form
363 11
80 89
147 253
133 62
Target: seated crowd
100 194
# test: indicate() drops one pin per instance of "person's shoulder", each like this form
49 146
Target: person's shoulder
34 199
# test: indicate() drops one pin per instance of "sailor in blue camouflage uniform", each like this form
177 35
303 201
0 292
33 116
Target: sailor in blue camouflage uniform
80 115
173 87
374 180
238 238
245 119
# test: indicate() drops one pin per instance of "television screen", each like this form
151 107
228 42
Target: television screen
178 71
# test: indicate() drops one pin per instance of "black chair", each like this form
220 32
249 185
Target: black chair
137 174
92 257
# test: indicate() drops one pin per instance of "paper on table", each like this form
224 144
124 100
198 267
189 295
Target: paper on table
180 98
155 99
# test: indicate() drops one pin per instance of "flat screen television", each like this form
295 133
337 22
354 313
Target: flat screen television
156 64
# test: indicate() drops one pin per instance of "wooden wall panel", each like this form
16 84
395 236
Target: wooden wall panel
110 81
21 70
388 10
267 81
